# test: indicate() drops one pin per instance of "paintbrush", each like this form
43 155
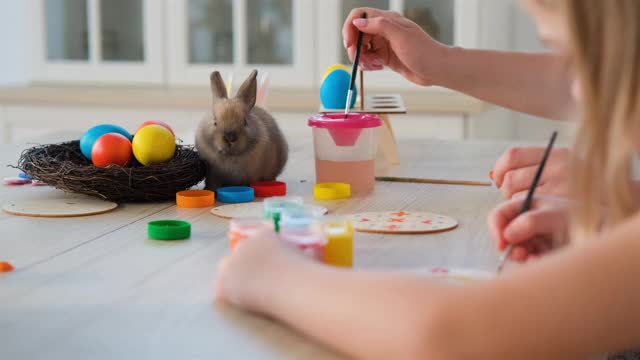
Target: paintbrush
432 181
354 70
527 202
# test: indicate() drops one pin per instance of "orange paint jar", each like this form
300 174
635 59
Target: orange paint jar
242 229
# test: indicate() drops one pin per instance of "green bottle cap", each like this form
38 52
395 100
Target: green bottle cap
169 230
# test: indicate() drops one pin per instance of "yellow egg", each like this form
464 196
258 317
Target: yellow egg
334 67
153 144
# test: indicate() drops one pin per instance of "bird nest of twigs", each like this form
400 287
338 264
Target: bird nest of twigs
63 166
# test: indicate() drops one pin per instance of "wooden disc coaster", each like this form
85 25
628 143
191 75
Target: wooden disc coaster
401 222
252 210
59 208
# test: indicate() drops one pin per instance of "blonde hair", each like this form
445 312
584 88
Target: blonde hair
606 56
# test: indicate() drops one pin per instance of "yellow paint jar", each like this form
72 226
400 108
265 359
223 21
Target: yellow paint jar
339 248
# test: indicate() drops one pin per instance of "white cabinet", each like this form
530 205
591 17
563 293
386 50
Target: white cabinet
179 42
97 41
237 36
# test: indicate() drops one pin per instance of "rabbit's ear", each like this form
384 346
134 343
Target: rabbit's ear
218 89
248 90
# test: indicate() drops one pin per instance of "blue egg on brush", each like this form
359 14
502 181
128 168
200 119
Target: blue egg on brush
334 88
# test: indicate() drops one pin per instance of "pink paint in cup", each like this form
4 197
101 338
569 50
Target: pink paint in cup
301 229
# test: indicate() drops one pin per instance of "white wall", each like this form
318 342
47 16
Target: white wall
496 25
528 127
14 59
521 35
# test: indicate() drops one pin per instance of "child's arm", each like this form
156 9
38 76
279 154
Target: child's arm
537 84
580 301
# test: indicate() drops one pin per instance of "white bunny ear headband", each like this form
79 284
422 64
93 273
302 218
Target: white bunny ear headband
263 88
229 83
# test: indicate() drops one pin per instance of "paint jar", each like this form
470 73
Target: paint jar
339 248
241 229
345 149
303 230
274 206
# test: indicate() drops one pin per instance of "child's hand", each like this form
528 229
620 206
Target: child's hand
533 233
395 41
250 273
515 169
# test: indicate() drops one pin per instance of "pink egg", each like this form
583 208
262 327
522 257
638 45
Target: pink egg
156 122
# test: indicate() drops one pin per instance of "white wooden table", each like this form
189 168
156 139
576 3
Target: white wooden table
97 288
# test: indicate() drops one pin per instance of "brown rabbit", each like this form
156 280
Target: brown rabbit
240 142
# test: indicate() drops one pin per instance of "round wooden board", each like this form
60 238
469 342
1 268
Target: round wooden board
401 222
59 208
251 210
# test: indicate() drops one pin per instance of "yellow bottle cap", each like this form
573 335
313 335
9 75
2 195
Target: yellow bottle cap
331 191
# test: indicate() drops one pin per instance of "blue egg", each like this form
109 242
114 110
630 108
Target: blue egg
334 88
89 138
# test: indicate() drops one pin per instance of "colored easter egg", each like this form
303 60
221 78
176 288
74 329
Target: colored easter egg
15 181
153 144
334 88
335 67
156 122
89 138
111 149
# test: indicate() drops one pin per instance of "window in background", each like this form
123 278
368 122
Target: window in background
210 31
237 36
122 23
347 6
66 27
436 17
270 32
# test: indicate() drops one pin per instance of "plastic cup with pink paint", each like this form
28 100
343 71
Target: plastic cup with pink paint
303 230
345 149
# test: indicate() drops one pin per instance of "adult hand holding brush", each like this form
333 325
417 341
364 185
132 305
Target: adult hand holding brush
537 84
392 40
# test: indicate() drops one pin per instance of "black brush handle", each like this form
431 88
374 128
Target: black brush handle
527 202
356 59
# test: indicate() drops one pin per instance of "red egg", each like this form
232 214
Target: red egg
156 122
111 149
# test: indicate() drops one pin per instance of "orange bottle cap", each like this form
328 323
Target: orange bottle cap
195 198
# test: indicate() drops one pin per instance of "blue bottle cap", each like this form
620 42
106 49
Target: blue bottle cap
235 194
